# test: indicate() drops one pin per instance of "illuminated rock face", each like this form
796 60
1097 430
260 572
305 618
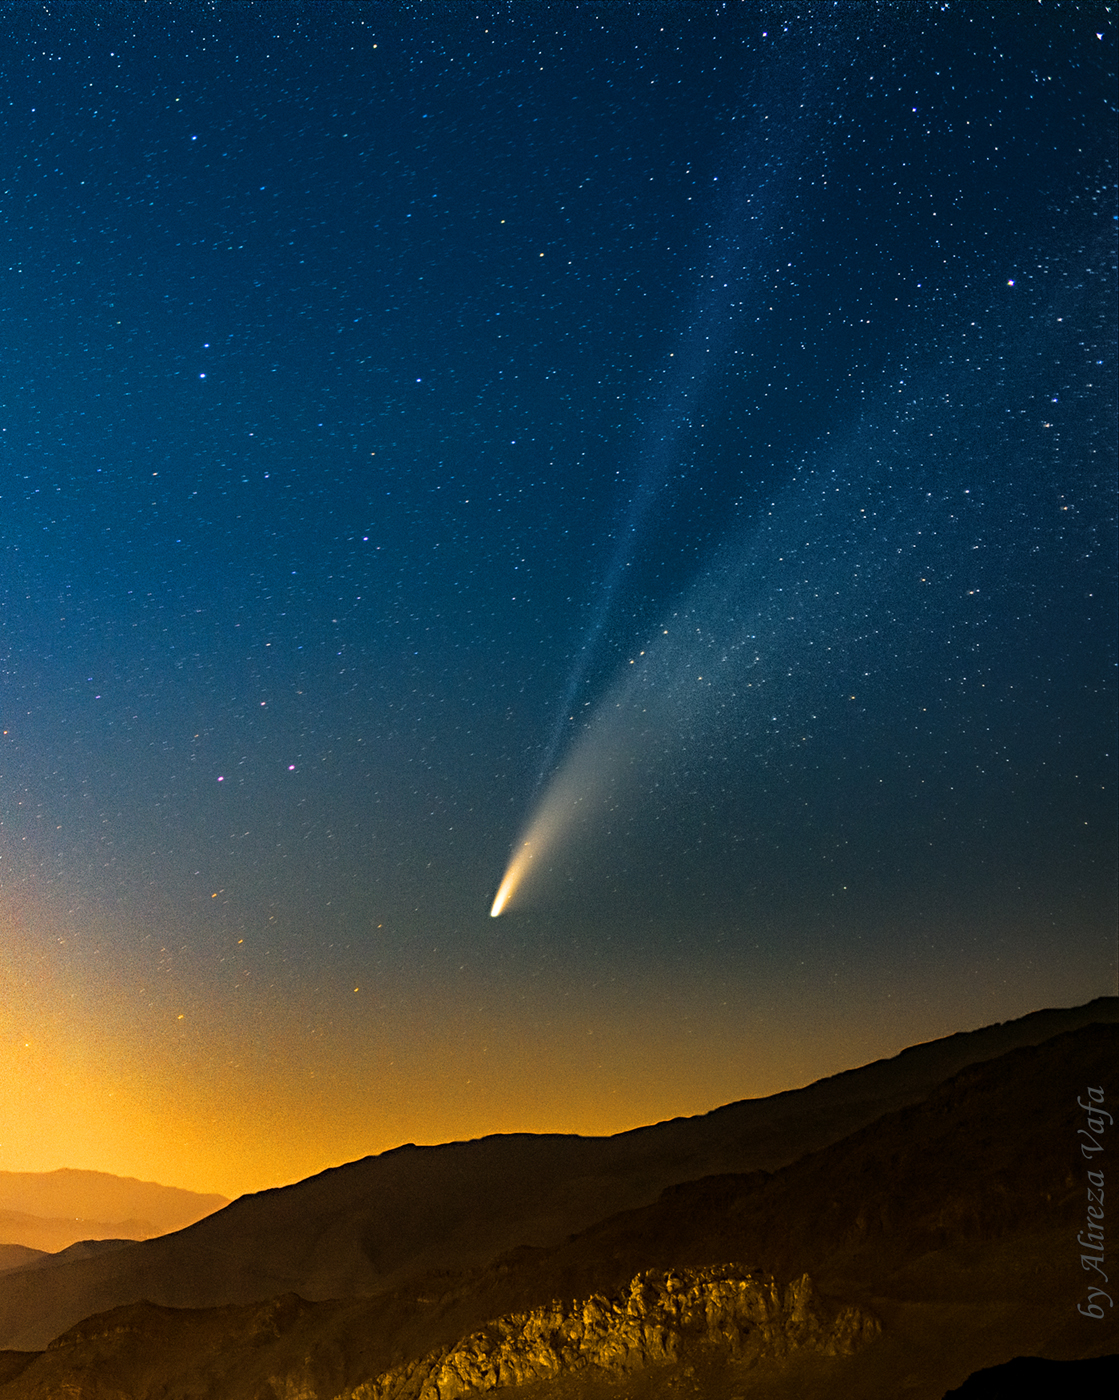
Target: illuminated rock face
661 1320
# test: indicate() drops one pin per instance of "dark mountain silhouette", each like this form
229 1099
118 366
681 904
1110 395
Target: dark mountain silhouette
80 1249
1033 1375
923 1211
18 1256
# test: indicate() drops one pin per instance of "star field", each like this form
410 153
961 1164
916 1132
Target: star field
411 413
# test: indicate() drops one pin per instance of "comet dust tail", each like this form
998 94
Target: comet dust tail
540 832
575 796
512 879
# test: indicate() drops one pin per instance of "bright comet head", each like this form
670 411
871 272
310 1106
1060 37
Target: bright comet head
516 869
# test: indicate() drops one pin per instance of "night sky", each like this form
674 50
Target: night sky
679 435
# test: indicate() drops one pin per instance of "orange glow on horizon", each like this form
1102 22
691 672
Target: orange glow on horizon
189 1075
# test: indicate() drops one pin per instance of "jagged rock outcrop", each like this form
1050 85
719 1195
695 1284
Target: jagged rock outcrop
657 1322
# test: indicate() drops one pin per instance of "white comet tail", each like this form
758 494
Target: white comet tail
513 877
575 791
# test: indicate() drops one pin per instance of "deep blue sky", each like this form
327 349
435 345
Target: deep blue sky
378 382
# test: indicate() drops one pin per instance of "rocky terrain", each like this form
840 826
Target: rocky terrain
933 1238
658 1321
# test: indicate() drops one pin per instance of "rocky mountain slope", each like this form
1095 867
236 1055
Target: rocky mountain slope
654 1324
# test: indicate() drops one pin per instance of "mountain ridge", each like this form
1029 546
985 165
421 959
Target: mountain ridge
383 1255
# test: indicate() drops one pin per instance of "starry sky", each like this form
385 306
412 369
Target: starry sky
679 435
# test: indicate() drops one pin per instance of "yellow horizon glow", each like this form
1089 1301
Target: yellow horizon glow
188 1072
268 1091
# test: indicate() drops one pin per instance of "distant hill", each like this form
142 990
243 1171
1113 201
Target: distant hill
50 1210
18 1256
37 1259
883 1232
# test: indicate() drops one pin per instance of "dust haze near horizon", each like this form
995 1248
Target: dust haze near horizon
692 428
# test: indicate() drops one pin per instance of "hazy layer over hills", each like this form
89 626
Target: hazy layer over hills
48 1211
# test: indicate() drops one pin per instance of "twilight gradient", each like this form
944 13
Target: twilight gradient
679 437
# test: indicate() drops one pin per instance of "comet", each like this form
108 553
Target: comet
711 675
551 821
573 797
513 875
